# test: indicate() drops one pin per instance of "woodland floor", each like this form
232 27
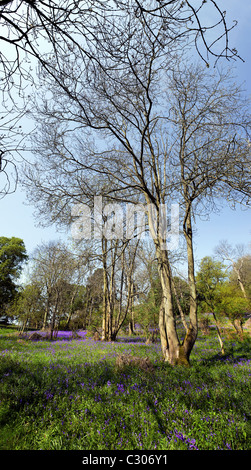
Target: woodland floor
68 394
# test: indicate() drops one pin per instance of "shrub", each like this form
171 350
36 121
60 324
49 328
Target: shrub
125 360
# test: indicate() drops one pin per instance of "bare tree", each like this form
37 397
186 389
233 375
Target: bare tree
11 138
119 258
27 25
55 268
42 32
123 102
210 151
205 151
94 293
235 257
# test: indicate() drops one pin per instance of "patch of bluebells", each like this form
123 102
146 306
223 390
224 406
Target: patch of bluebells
61 334
190 443
120 389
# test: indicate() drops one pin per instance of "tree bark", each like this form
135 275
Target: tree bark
174 353
241 283
112 333
219 334
162 330
182 316
238 327
46 313
168 334
105 291
192 331
131 308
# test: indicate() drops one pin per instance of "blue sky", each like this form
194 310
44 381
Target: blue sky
16 218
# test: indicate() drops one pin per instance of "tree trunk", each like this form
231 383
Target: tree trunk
112 333
24 324
219 334
192 331
131 308
46 313
118 319
238 327
105 290
71 307
242 287
182 316
52 324
55 311
168 334
239 276
174 353
162 329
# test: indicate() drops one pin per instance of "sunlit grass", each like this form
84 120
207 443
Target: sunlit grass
68 394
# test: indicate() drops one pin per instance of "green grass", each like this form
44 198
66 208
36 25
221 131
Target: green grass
69 395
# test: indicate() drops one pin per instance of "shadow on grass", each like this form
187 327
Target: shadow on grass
235 352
